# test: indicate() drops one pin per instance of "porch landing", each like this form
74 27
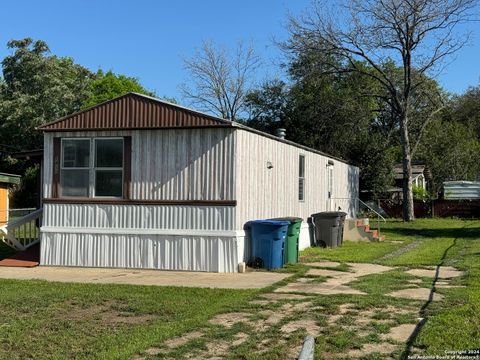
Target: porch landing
28 258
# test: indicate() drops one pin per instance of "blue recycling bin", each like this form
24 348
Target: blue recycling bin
268 242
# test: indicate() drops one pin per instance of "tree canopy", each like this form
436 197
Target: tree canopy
106 86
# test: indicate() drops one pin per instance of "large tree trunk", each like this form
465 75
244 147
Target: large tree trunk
408 212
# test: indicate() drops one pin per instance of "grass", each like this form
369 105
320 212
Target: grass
85 321
62 321
453 323
350 252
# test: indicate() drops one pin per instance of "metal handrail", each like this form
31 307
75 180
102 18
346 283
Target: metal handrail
380 216
358 201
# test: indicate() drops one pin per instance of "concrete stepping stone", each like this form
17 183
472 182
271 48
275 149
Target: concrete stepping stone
229 319
326 264
445 272
330 273
361 269
400 333
416 294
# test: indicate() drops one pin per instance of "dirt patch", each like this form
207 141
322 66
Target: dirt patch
416 294
240 338
344 308
310 327
229 319
103 313
326 288
185 338
276 296
400 333
217 348
379 348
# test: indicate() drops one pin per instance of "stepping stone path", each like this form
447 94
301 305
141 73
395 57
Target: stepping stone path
337 280
444 272
424 294
281 318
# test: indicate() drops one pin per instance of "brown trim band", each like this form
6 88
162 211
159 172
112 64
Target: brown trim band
138 202
139 128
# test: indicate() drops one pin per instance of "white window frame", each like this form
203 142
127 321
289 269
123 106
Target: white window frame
92 169
301 179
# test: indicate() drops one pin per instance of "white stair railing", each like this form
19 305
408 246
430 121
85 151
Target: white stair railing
23 232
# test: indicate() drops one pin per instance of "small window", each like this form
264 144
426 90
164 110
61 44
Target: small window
301 177
92 167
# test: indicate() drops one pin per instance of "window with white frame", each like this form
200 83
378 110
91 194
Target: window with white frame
301 177
92 167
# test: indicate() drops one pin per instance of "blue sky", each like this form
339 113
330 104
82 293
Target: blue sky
147 39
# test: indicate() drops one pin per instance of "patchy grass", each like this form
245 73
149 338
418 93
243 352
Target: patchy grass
86 321
365 252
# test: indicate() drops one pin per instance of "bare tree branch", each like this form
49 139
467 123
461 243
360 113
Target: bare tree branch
219 82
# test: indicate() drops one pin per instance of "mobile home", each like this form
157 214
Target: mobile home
137 182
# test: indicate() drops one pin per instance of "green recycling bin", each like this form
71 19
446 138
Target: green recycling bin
292 239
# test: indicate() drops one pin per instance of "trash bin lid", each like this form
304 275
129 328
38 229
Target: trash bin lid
329 214
270 222
289 219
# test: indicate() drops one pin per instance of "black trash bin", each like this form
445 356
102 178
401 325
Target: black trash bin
329 228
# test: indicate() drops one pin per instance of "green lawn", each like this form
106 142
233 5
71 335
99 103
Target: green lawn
40 320
452 324
63 321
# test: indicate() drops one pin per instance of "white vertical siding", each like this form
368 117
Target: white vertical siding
265 193
185 217
185 164
164 252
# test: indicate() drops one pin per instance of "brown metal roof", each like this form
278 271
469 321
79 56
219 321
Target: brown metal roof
134 111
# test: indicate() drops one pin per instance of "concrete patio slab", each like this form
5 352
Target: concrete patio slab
248 280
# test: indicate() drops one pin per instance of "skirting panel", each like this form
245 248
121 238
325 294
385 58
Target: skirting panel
164 252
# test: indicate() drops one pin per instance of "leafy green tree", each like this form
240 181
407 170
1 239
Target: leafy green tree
329 112
107 86
37 88
451 151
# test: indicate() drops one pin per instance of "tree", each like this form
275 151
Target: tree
218 80
328 112
107 86
37 88
416 36
451 152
